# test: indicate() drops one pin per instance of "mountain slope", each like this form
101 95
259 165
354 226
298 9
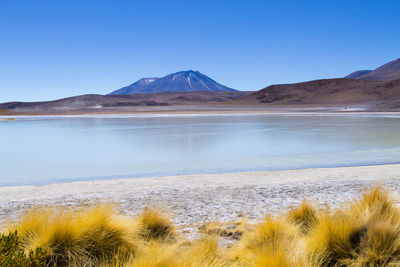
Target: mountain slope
139 87
357 74
387 72
184 81
372 95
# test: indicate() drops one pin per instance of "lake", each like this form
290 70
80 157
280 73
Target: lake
41 150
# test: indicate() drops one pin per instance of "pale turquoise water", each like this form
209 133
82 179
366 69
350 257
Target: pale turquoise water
39 150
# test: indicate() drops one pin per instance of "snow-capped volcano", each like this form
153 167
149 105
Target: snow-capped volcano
183 81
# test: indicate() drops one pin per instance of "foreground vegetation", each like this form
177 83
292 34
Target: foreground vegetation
365 232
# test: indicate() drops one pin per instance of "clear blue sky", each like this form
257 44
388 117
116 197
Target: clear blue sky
53 49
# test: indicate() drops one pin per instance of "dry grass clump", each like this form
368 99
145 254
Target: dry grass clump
231 229
335 240
75 236
376 201
380 245
271 243
202 252
366 232
305 216
155 225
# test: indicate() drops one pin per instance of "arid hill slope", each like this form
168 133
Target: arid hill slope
106 103
371 94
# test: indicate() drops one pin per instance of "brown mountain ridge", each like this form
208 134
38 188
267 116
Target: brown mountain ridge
370 95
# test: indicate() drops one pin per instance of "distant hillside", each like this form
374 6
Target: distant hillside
357 74
387 72
121 103
184 81
342 92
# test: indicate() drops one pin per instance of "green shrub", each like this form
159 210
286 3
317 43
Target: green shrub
12 255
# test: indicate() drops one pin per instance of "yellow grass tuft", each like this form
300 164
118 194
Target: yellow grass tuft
335 239
380 245
271 243
53 230
305 216
75 236
365 234
231 229
104 233
155 225
203 252
376 201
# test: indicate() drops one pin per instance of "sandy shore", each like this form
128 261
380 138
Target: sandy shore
193 199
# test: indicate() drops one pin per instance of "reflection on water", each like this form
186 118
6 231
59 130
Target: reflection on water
52 149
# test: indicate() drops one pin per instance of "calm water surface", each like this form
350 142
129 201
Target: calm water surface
40 150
